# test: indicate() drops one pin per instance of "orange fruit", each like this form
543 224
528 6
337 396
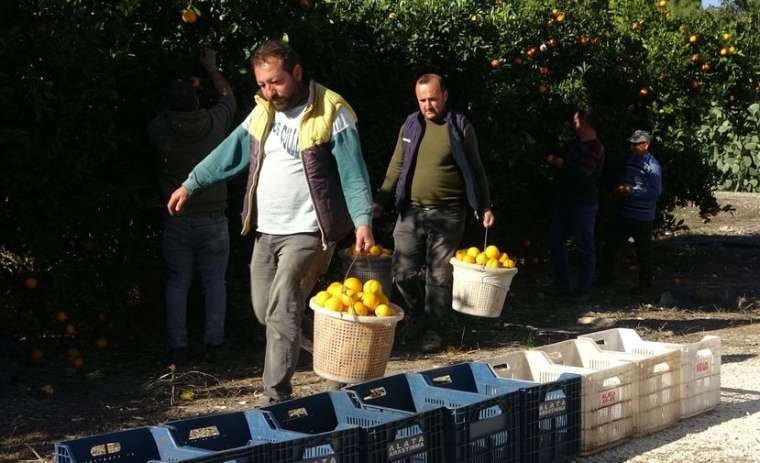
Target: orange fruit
493 263
321 298
644 92
560 17
334 304
372 286
31 283
371 300
360 309
101 343
693 39
186 395
460 254
473 251
495 64
77 362
492 252
731 50
391 16
70 329
583 40
352 285
61 316
335 289
375 250
725 36
705 67
384 310
695 58
36 356
481 259
189 16
469 259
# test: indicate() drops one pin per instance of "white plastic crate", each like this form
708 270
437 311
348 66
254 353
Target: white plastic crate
608 396
658 375
700 364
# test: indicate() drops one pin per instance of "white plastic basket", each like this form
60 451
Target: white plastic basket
659 379
700 364
478 290
352 349
608 396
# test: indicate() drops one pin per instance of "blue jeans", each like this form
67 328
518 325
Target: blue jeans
577 222
201 243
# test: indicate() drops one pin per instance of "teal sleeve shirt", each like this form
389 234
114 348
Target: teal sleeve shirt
232 156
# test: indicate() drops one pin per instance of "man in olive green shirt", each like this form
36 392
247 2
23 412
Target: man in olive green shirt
435 175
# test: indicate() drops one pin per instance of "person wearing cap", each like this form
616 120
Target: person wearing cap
636 196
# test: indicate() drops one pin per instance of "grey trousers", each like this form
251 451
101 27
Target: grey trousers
283 270
427 238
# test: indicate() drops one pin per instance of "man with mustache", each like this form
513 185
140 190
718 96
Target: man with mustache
308 187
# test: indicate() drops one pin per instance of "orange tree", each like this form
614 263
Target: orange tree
81 79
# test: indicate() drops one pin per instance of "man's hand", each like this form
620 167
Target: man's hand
364 237
208 59
179 198
377 210
488 218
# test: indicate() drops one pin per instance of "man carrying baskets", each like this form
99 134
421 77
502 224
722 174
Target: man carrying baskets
308 187
436 174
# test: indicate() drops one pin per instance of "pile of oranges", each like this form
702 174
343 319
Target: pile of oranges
491 257
374 251
356 298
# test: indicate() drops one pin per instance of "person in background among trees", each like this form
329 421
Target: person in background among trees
576 204
198 239
637 196
435 174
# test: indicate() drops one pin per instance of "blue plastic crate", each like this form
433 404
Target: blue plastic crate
143 445
549 412
551 429
479 428
382 435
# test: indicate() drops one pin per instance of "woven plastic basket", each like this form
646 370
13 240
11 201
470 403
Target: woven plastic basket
351 349
365 268
480 291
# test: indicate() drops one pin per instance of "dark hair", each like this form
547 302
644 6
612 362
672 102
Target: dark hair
180 96
276 49
587 115
429 77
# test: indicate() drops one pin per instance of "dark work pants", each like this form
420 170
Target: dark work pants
620 230
427 238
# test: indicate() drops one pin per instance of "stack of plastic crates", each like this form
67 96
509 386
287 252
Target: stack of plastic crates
321 421
658 379
155 444
700 364
479 428
549 413
608 395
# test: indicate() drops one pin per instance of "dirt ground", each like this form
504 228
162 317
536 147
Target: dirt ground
706 282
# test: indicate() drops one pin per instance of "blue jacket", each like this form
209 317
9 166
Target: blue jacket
645 176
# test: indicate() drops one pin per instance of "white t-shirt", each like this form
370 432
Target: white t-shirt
283 201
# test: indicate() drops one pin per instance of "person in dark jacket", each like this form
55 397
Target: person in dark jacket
198 239
637 196
576 204
435 175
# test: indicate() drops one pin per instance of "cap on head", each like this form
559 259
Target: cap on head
640 136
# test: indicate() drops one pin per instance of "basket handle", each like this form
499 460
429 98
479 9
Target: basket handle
353 261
